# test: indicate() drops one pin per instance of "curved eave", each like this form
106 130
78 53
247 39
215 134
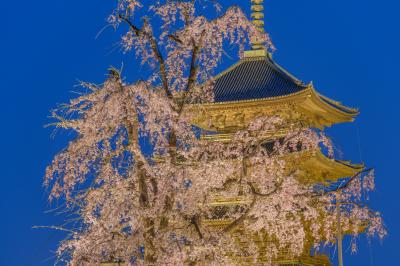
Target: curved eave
323 101
340 112
339 106
316 168
324 112
250 102
208 115
317 110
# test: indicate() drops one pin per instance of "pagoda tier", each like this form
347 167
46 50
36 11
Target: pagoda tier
256 86
261 240
313 167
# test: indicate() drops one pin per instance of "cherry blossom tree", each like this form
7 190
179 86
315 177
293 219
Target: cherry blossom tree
139 180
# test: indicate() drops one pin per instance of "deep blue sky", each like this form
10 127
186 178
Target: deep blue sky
348 48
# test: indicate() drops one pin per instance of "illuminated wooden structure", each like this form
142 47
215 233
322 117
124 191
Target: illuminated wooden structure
256 86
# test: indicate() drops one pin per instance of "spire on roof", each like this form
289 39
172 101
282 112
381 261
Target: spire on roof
258 48
257 14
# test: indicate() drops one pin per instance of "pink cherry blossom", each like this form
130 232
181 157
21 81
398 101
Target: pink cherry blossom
150 205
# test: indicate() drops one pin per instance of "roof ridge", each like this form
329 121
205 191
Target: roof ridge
268 59
287 73
226 71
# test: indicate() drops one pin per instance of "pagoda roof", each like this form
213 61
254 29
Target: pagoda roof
255 78
256 86
259 77
315 167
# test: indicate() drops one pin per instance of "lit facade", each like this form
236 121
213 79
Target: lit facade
257 86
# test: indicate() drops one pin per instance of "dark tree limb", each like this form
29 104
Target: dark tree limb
194 69
346 184
154 47
195 221
236 222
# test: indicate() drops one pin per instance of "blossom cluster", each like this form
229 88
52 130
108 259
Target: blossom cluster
142 183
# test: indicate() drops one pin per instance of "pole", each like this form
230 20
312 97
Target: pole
339 233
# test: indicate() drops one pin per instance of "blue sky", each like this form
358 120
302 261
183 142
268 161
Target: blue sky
348 48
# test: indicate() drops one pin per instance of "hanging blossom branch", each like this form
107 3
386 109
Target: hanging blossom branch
140 181
147 34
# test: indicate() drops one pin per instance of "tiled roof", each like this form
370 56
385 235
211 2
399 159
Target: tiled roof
255 78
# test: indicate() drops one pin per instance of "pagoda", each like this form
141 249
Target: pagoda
257 86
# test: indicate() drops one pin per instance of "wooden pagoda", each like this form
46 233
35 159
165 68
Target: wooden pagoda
256 86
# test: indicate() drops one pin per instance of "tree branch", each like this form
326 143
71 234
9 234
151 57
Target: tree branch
175 38
346 184
192 72
195 222
154 47
235 223
352 178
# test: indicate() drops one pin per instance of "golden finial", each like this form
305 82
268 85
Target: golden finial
257 44
257 14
